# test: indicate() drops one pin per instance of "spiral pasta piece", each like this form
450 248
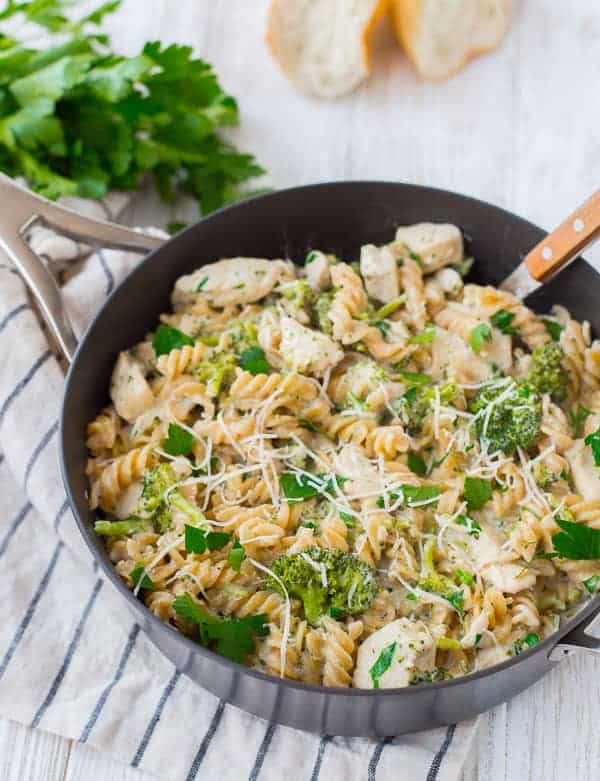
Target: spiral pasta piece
340 646
181 361
486 301
119 475
102 432
334 533
387 441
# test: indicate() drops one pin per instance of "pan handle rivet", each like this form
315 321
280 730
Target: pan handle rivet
547 253
578 225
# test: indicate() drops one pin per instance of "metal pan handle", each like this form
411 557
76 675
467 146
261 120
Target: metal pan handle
577 640
21 210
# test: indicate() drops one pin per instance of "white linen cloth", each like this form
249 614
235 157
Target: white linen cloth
72 660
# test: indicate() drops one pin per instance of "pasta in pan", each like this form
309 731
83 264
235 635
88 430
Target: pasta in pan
363 473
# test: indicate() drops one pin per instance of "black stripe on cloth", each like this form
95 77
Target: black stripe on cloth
39 450
26 620
155 719
59 515
262 752
13 313
68 656
439 757
375 757
210 733
110 280
23 382
319 760
16 522
115 680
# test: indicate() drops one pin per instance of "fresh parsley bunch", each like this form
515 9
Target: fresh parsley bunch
78 119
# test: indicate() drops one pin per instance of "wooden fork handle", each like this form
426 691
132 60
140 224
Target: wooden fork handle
561 246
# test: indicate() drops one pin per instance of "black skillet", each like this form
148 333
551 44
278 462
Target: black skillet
339 218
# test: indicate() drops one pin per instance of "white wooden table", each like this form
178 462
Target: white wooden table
519 128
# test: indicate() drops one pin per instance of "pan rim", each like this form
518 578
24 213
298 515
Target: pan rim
187 643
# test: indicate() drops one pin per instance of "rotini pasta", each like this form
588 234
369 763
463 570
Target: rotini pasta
354 473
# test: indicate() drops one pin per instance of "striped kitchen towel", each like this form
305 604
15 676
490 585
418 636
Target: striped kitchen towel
72 660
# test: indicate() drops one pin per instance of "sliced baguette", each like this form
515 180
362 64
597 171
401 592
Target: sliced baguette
323 45
440 36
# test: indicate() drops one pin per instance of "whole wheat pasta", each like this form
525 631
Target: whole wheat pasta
353 490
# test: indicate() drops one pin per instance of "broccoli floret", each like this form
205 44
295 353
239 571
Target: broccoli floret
431 579
299 294
321 311
155 507
243 335
195 516
435 675
152 504
354 587
543 475
509 416
547 374
218 373
416 404
324 579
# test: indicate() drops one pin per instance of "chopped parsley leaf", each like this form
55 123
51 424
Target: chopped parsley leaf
179 441
201 284
479 335
592 584
382 664
477 492
230 637
297 487
576 541
502 320
529 641
236 556
473 528
416 464
167 339
554 329
413 496
382 326
465 577
139 573
593 440
199 540
456 600
254 361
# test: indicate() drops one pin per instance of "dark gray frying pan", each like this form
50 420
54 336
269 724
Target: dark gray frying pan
335 217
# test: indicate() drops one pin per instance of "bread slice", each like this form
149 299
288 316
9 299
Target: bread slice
323 45
440 36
